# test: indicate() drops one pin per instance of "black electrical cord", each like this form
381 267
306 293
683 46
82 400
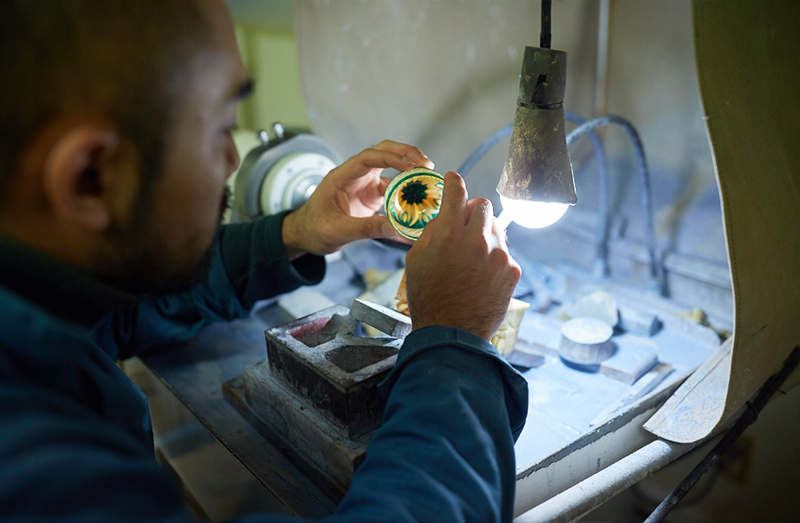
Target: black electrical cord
656 269
648 503
750 415
476 155
601 252
588 127
545 36
487 145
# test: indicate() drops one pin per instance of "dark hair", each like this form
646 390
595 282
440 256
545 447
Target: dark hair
126 60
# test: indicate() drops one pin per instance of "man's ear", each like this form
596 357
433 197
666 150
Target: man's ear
79 177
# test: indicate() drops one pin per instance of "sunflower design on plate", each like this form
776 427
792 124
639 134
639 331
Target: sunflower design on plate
413 199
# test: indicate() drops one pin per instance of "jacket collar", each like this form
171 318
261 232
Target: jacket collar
61 289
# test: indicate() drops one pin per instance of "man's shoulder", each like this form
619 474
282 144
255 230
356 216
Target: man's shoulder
30 332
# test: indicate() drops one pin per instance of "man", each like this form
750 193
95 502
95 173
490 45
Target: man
115 120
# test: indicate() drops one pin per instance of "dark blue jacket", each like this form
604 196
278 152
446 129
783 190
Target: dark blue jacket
75 437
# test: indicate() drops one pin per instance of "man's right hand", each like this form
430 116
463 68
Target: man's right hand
459 273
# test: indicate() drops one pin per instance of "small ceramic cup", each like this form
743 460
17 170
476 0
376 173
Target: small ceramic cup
412 199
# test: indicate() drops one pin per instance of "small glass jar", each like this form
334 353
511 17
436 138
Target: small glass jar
412 199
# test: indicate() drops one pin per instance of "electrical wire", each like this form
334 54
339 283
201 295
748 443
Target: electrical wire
588 127
656 269
487 145
601 256
601 250
648 503
545 36
483 148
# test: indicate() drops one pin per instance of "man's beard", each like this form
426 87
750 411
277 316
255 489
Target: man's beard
142 268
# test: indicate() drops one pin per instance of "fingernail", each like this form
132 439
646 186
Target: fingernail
387 230
408 161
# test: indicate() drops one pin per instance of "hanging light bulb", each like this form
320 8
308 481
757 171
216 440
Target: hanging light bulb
537 184
533 215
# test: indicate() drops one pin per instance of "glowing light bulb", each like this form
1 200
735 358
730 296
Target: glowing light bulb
533 215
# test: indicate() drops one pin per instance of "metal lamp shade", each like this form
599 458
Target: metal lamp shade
538 166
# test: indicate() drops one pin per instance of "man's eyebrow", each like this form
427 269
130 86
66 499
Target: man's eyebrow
244 90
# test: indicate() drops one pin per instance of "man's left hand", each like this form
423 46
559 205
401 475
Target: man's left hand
342 208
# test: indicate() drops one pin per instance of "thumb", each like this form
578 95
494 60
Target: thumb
427 232
376 226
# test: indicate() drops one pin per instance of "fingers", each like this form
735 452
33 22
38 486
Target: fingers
451 212
382 184
341 209
425 237
385 155
481 220
377 226
390 233
442 287
352 229
491 226
454 200
480 216
414 154
499 232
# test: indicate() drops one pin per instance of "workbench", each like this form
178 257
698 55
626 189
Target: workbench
194 372
553 453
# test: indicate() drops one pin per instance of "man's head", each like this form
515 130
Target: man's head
115 119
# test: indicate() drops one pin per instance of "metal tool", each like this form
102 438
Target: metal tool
281 173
